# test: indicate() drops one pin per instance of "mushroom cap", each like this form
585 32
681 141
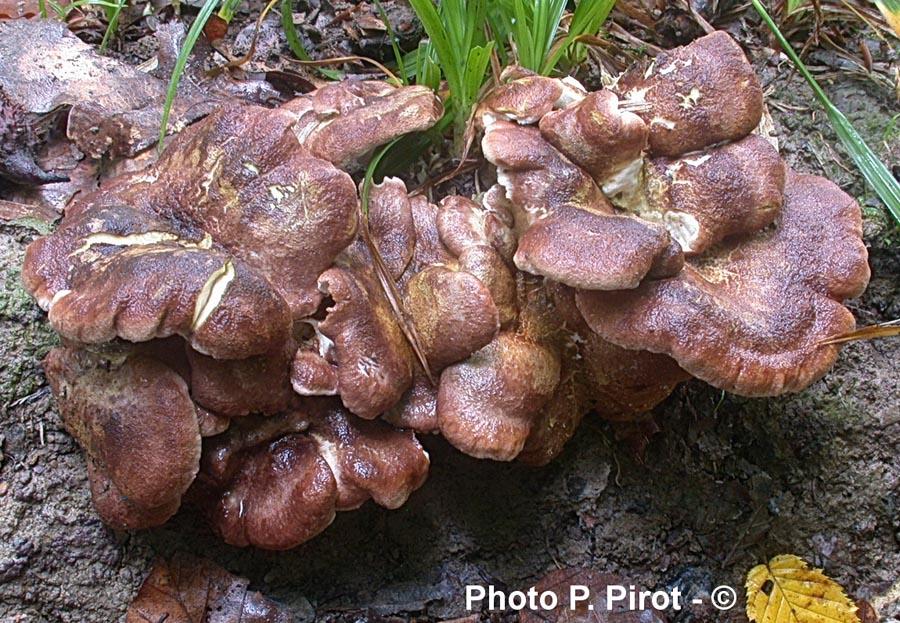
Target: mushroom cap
417 410
498 277
280 493
698 95
138 426
521 96
345 121
597 252
391 224
313 375
238 387
463 223
536 176
145 291
749 316
276 482
453 312
557 421
374 360
369 459
728 190
568 230
596 135
486 404
240 177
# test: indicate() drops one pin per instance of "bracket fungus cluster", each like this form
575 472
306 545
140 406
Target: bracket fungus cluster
235 331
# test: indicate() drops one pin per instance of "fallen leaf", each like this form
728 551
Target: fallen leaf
786 590
866 612
184 589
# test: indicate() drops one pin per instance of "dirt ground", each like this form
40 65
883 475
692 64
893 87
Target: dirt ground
726 484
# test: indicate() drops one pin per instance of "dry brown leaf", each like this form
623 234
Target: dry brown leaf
786 590
191 590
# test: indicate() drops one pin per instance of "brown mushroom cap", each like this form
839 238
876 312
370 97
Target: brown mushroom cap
727 190
596 135
237 387
417 410
137 425
568 229
486 404
522 97
313 375
698 95
374 360
463 224
558 420
748 317
344 121
596 252
454 314
276 482
150 291
369 459
498 277
391 224
240 177
277 494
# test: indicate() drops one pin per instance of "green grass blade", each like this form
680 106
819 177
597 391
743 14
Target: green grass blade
873 169
112 26
294 43
476 66
589 16
440 39
401 69
183 54
793 5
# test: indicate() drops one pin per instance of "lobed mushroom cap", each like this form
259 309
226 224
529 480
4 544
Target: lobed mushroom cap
749 316
281 493
240 176
728 190
238 387
374 360
277 482
345 121
696 96
454 314
137 424
568 230
597 135
369 459
486 404
597 252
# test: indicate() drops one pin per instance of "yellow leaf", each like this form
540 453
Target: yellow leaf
890 9
786 590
